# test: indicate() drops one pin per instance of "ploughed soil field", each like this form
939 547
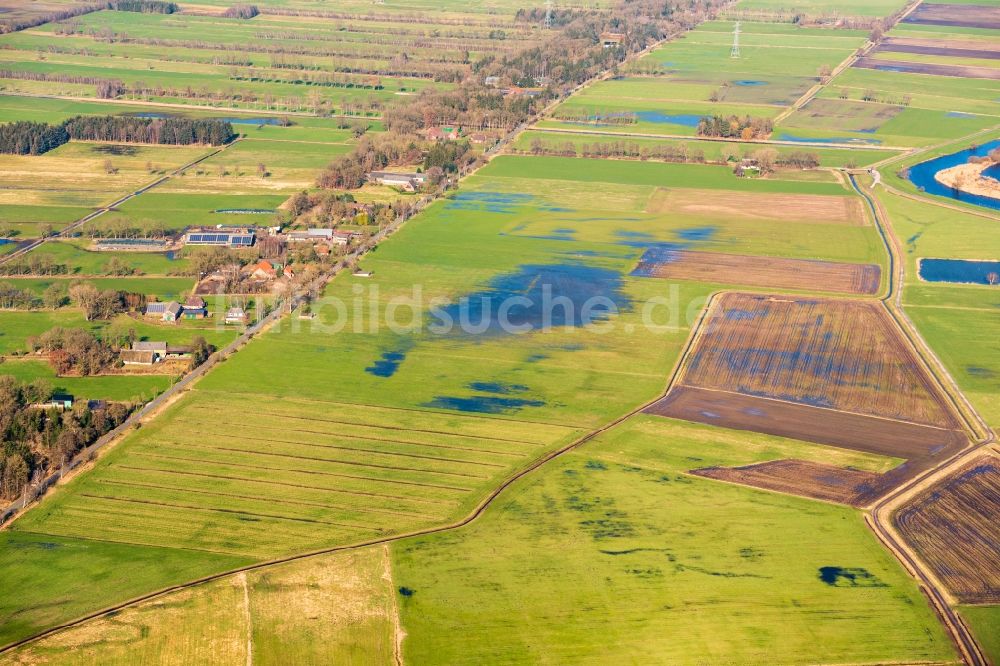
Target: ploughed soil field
961 16
806 208
935 47
823 370
963 509
825 426
759 271
960 71
799 477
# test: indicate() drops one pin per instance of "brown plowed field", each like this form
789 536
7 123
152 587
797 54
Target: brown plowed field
799 477
824 426
955 527
967 16
836 353
764 272
959 71
806 208
829 371
941 48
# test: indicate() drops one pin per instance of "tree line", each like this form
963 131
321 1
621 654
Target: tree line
31 138
24 137
168 131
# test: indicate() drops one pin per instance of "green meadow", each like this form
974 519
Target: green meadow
985 623
614 552
331 609
105 387
81 260
903 108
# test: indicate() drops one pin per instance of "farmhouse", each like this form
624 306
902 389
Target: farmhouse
194 308
747 168
407 181
241 237
263 270
144 353
236 315
58 401
491 81
157 347
611 39
442 133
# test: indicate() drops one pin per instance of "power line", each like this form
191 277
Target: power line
548 14
735 52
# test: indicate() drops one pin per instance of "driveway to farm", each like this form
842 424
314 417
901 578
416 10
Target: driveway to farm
67 231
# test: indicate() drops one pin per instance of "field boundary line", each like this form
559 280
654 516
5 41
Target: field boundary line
398 635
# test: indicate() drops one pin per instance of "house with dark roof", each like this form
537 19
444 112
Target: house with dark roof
155 309
154 346
173 311
137 357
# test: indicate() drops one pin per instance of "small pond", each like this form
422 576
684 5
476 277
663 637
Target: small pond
960 271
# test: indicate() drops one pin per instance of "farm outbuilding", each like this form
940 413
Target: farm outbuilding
221 237
611 39
407 181
173 311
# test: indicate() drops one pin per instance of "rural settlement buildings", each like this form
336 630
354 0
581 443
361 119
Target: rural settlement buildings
407 181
